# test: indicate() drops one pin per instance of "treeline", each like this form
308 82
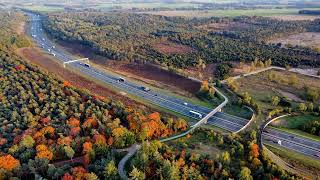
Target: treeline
215 48
310 12
312 127
240 158
131 37
50 129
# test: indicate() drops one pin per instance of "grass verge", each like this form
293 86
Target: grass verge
292 155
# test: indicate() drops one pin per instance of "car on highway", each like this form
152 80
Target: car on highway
186 104
121 79
85 64
317 155
195 114
146 89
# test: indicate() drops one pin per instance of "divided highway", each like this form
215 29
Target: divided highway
168 102
219 119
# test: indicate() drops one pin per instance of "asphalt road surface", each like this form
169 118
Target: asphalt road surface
221 120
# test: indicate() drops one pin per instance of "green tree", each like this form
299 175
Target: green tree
293 80
225 158
92 176
110 170
245 174
310 107
312 94
136 174
27 142
268 63
275 100
170 171
302 107
69 151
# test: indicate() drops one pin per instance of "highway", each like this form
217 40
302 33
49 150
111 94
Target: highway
219 119
154 97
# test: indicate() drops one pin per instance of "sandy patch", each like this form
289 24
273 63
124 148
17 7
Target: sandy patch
290 96
307 39
312 71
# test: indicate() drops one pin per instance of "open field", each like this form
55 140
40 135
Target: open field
44 9
145 5
307 39
263 87
234 12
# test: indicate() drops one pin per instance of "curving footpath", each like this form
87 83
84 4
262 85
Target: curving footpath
134 148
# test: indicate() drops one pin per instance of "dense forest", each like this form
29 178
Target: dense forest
49 128
240 159
140 37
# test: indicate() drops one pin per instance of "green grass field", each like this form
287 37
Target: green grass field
294 122
44 9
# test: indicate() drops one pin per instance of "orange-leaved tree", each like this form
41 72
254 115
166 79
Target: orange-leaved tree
44 152
254 152
8 162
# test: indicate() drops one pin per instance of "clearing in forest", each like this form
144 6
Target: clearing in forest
263 86
307 39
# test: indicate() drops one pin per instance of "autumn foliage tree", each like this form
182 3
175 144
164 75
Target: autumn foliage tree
8 162
44 152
